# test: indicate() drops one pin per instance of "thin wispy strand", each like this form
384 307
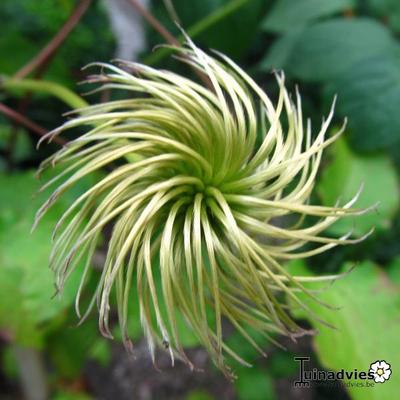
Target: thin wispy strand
207 196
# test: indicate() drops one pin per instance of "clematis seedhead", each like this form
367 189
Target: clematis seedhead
206 195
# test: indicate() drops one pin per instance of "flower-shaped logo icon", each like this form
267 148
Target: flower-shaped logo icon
381 370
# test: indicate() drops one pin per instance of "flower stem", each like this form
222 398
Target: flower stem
39 86
154 23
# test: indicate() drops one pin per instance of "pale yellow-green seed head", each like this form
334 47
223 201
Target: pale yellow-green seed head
202 177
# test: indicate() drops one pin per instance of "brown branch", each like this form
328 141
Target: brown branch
155 23
44 56
27 123
169 38
38 66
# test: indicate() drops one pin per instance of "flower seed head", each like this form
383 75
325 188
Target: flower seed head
208 194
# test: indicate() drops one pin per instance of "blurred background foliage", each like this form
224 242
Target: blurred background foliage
349 48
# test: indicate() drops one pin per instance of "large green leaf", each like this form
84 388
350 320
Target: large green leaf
369 95
367 328
288 14
345 175
26 283
281 50
326 49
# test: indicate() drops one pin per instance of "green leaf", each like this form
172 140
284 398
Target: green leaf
288 14
16 319
326 49
369 95
360 62
367 328
26 283
345 175
281 50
